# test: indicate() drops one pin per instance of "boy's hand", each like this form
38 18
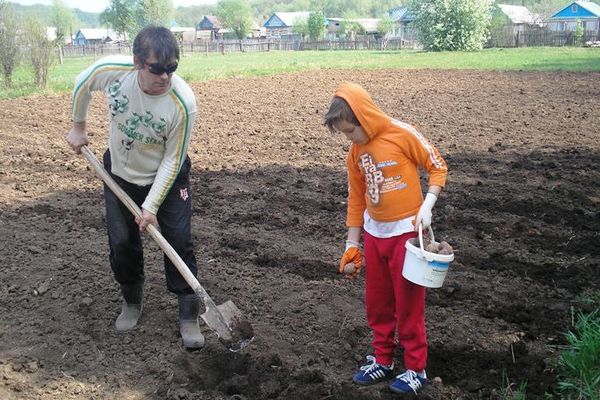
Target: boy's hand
424 215
352 256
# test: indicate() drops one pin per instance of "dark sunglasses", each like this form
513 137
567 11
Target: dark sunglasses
158 69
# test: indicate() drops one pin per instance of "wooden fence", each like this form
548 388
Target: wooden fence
507 36
232 46
529 37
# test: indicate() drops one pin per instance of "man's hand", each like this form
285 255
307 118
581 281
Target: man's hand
352 256
424 215
147 219
77 136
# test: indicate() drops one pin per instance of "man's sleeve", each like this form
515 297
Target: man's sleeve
97 77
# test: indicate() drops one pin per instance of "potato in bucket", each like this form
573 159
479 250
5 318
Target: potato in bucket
427 268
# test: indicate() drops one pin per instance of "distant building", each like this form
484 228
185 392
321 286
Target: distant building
184 34
210 28
363 26
586 13
517 17
96 37
402 18
281 24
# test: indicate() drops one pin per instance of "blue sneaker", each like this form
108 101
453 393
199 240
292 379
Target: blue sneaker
372 373
408 382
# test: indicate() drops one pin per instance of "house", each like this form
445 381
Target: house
209 28
96 37
339 27
51 35
518 18
281 24
402 18
184 34
585 13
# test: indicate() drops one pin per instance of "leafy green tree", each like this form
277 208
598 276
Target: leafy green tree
235 15
40 50
62 19
120 16
154 12
385 25
300 27
316 25
9 48
452 24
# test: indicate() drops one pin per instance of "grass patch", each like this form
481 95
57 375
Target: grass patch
200 67
579 363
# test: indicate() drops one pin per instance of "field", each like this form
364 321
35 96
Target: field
521 208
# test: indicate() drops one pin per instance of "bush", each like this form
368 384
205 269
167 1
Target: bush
40 50
452 24
9 47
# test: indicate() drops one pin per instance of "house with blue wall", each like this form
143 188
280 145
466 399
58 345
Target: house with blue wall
586 13
281 24
96 37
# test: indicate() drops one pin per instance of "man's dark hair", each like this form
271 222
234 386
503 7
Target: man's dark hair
339 110
156 41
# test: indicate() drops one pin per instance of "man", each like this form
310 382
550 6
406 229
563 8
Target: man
152 113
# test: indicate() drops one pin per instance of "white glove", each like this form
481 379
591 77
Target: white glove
424 215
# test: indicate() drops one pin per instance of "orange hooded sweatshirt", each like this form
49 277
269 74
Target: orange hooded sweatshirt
382 174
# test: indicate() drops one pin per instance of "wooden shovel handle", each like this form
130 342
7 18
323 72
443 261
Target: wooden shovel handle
151 229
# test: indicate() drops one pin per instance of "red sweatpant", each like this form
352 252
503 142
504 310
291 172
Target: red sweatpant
394 304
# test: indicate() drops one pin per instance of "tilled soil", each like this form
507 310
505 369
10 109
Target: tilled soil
521 209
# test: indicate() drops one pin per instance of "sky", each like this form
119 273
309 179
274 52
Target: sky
97 6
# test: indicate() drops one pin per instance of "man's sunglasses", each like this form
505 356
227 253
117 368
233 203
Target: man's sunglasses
158 69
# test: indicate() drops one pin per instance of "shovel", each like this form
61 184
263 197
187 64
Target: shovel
226 320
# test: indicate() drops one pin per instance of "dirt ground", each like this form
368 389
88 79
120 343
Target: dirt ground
521 208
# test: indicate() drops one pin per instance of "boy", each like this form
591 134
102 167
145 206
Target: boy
385 199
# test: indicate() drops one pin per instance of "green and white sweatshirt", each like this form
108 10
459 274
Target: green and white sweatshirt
148 135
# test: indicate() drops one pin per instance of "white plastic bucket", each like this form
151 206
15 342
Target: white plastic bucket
423 267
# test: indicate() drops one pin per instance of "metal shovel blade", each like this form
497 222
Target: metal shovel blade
233 330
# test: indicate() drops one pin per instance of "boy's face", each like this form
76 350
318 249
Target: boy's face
354 133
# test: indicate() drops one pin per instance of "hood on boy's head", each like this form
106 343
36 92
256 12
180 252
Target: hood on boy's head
371 118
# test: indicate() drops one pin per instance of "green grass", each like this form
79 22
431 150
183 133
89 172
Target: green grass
199 67
579 362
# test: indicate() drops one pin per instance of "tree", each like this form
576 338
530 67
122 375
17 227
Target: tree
119 16
40 50
62 19
385 26
452 24
300 27
235 15
316 25
154 12
9 48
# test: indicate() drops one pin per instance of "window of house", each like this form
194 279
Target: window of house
574 8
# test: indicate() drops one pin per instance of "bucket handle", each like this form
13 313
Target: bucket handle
421 236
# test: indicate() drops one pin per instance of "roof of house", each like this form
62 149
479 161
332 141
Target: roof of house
286 19
401 14
368 24
209 22
586 9
99 34
517 14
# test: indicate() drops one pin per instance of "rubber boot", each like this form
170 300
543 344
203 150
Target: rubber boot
189 307
133 297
